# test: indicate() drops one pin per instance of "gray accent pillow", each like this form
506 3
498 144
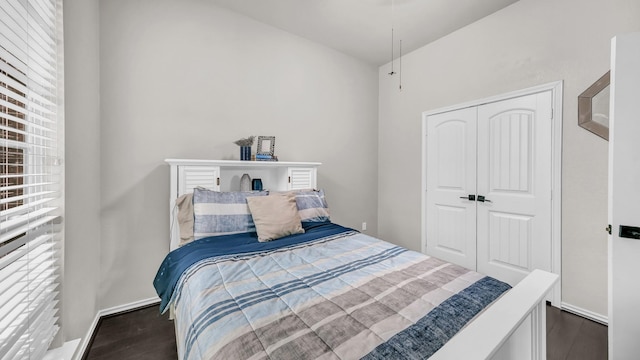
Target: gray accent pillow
312 205
219 213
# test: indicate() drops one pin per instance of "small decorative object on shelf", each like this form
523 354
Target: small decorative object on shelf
261 157
266 147
245 152
245 183
245 147
256 184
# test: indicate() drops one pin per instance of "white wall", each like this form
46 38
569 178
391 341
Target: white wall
184 79
82 167
529 43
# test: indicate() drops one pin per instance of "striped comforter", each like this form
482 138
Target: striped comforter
345 295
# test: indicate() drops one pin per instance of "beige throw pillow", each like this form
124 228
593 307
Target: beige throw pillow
275 216
185 218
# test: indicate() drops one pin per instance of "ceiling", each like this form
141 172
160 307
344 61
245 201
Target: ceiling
362 28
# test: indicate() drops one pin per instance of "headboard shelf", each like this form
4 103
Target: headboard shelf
224 175
241 163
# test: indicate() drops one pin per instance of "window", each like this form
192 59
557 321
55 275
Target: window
11 155
30 176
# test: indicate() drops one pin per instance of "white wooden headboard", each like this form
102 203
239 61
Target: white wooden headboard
224 175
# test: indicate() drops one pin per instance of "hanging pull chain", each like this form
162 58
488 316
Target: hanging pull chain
400 72
392 14
392 72
392 39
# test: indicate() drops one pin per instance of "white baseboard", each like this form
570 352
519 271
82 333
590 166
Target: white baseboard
127 307
602 319
106 312
64 352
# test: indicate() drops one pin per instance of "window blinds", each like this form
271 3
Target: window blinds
30 177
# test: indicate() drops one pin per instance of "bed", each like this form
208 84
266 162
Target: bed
308 288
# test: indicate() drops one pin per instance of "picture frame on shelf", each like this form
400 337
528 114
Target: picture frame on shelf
266 145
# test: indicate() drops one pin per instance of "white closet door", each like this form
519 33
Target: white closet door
451 177
514 174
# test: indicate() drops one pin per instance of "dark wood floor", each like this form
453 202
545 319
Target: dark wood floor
145 334
142 334
572 337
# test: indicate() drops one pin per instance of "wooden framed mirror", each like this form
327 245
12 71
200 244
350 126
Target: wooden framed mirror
593 107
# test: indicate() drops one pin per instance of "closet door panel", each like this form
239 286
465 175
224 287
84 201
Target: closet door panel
451 177
514 164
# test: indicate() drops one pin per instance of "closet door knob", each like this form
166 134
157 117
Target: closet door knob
469 197
481 198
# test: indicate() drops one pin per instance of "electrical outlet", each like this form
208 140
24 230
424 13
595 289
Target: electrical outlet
364 226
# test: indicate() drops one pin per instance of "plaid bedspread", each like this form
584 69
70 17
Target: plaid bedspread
344 296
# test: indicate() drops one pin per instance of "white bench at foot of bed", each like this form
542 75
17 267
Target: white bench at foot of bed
514 327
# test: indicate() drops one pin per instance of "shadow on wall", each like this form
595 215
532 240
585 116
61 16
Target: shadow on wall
135 239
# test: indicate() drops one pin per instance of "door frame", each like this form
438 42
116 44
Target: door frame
556 88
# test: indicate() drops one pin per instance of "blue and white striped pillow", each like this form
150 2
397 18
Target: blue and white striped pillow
312 205
220 213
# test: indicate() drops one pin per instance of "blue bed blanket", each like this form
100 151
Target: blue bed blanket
331 293
177 261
